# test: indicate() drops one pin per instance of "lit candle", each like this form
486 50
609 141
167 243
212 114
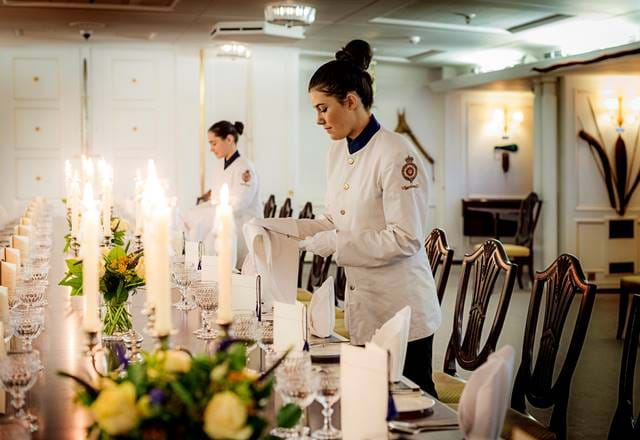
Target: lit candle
224 215
91 255
162 284
75 204
4 306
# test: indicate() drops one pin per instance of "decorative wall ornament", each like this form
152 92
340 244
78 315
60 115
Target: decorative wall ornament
617 176
404 128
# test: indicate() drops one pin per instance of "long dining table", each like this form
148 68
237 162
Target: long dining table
63 345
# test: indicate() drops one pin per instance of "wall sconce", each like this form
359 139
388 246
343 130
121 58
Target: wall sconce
506 120
619 114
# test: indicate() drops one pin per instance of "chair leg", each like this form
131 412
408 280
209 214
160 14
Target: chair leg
530 267
622 310
520 269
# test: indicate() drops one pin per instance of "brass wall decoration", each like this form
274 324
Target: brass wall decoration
617 176
404 128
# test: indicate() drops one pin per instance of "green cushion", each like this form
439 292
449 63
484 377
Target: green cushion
630 281
449 388
531 426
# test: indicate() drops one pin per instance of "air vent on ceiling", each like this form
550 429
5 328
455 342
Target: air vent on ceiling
124 5
539 22
255 30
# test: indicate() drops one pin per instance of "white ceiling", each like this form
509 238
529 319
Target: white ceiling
338 21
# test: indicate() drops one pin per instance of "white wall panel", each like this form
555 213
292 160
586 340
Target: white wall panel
37 129
36 78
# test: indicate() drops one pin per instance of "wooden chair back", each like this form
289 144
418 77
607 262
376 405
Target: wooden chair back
439 254
306 212
624 425
558 284
528 219
486 264
340 283
286 210
319 272
270 207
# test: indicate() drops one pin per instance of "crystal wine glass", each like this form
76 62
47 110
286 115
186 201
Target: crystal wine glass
27 323
183 275
245 326
297 384
31 294
328 394
206 295
18 373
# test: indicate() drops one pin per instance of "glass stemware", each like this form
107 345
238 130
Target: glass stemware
297 384
31 294
18 373
245 326
328 394
27 323
206 295
183 275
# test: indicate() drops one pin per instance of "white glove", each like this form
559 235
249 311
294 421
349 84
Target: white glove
322 244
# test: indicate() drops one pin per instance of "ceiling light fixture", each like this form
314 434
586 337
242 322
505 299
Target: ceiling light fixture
290 14
233 50
440 26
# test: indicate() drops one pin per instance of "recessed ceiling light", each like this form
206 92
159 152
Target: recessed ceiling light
233 50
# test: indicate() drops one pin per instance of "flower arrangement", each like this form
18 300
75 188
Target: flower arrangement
119 227
172 395
121 272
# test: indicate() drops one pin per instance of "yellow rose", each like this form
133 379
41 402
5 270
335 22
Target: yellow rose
140 268
226 417
218 373
119 224
144 406
115 409
101 269
177 361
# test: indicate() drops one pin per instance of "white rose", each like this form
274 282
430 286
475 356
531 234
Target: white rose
177 361
226 418
115 409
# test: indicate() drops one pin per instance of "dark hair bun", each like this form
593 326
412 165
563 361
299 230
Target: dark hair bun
239 126
357 52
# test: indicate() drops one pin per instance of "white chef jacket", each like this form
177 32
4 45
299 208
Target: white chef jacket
244 198
377 200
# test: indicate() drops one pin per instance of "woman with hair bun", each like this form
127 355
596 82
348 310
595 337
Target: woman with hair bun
241 178
375 213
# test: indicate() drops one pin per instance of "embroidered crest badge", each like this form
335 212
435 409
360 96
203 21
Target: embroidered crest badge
409 172
246 177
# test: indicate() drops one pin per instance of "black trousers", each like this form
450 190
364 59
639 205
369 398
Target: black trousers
417 364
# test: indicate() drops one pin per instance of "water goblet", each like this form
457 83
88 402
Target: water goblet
206 296
183 276
18 373
27 323
245 326
297 384
328 394
30 294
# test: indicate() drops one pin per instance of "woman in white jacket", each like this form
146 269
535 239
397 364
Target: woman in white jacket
376 208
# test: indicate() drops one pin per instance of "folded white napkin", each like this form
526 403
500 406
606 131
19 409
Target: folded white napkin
4 305
289 326
25 230
21 243
394 336
322 310
275 257
12 255
485 399
209 268
199 221
243 293
3 352
191 253
25 221
364 389
8 276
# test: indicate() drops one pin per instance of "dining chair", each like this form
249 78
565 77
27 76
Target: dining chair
486 264
521 251
559 285
624 425
306 212
628 284
439 254
270 207
286 210
319 272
